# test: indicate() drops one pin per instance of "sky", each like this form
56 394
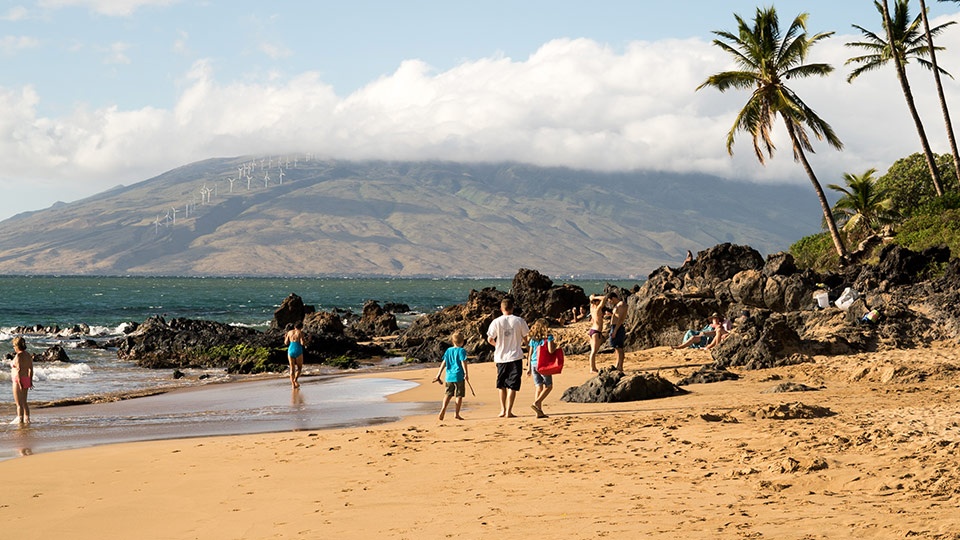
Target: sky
96 93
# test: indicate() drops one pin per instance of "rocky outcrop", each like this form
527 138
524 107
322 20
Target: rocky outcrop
612 386
180 343
429 336
535 296
777 320
375 322
159 343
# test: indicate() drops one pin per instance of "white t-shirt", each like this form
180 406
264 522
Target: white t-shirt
509 332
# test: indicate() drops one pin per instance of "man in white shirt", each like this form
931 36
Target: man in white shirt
507 334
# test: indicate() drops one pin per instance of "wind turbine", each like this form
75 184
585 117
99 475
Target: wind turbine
266 179
156 225
281 177
174 210
232 180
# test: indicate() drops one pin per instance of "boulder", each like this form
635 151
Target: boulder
291 311
613 386
375 322
761 341
55 353
323 322
535 296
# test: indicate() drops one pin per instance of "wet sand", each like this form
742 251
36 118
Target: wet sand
882 462
255 406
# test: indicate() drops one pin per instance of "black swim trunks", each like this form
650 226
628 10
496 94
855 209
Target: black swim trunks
618 338
509 374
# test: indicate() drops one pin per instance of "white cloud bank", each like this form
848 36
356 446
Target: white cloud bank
573 103
111 8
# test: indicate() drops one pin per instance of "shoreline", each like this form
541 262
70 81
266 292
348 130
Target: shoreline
708 464
251 406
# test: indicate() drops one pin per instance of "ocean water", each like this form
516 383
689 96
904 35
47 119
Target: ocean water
105 304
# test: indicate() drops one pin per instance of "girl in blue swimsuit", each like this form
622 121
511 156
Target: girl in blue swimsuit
294 341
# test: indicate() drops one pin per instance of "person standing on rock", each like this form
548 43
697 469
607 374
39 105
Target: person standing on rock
294 341
618 334
507 334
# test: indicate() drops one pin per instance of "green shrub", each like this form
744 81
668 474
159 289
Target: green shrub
343 362
232 353
909 185
929 230
816 252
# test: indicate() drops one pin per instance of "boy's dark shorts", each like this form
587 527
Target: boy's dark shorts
618 338
509 375
456 389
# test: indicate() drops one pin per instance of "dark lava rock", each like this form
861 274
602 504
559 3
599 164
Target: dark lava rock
375 322
56 353
395 307
612 386
291 311
186 343
429 336
708 374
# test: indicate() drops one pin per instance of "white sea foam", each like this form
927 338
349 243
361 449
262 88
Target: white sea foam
60 372
101 331
249 325
123 328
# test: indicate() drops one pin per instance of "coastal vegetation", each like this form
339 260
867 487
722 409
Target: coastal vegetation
905 208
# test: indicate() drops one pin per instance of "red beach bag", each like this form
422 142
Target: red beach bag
549 363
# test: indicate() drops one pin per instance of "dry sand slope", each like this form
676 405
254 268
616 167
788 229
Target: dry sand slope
715 463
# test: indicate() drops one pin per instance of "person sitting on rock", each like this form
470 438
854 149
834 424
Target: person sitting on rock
699 339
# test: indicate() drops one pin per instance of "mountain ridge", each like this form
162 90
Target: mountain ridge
411 219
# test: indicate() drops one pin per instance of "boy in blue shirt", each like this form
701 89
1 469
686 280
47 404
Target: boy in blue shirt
455 364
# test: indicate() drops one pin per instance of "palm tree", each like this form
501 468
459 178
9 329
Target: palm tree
864 204
767 58
943 100
904 41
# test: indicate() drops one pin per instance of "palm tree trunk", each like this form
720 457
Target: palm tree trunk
908 95
827 213
943 100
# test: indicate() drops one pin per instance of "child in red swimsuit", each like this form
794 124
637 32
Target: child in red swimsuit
21 372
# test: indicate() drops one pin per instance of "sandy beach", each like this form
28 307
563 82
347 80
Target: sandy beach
877 459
